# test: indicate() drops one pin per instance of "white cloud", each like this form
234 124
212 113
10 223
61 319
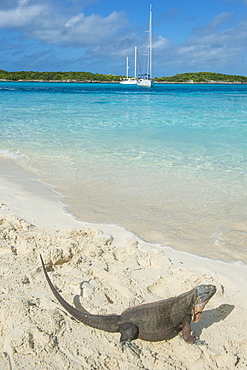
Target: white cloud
44 23
215 47
160 44
215 23
74 20
20 16
79 30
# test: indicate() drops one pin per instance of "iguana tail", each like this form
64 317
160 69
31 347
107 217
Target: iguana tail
108 323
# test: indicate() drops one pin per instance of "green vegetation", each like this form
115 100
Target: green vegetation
199 77
203 77
58 76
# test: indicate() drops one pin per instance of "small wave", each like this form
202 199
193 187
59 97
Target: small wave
10 154
7 88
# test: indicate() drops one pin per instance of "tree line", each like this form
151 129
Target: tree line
57 76
198 77
203 77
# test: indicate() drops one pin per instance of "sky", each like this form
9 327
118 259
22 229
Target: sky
97 35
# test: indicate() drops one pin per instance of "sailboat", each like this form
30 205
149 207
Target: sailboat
130 80
145 79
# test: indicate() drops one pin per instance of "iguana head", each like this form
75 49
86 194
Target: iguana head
203 295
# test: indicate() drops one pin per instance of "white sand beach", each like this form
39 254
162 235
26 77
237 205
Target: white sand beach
106 269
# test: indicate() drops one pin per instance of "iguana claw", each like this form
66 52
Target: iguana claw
134 349
200 342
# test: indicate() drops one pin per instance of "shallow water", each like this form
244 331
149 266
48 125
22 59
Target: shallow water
167 163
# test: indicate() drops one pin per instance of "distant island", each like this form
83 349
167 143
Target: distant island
88 77
58 76
203 77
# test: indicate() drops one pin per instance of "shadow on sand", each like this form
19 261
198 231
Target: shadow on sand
210 317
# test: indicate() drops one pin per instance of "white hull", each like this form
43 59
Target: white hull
128 81
142 82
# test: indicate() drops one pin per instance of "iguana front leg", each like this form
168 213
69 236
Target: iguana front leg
186 333
186 330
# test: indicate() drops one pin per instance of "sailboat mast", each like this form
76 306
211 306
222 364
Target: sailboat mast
135 62
150 41
146 80
127 67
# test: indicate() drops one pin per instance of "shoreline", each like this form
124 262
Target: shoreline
26 197
111 269
118 82
46 193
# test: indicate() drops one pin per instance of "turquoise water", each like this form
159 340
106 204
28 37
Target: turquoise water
167 163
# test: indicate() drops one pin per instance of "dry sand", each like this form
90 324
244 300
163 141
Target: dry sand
107 269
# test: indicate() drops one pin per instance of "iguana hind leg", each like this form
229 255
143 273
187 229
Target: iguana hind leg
129 332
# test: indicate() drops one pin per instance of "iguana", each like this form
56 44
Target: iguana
155 321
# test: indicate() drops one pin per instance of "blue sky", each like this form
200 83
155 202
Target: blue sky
97 35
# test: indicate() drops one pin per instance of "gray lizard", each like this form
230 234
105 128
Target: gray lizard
155 321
